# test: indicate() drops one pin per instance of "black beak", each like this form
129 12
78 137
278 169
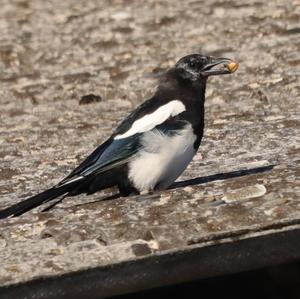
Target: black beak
219 66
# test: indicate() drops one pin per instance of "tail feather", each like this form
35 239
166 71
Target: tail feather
34 201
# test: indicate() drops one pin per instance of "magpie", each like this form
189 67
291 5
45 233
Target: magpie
152 146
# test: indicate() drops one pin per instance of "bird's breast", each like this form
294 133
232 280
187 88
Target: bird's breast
162 158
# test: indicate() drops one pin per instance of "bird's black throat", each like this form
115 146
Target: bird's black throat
176 85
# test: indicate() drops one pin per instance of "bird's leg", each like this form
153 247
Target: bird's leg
126 188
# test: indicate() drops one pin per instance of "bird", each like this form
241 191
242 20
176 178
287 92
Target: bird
152 146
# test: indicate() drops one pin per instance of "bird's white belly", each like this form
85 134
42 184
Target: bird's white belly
162 159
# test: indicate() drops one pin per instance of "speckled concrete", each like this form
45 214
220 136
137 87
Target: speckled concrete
245 177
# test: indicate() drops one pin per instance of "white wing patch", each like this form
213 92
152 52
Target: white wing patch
157 117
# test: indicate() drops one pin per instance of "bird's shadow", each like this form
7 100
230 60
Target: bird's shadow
203 180
221 176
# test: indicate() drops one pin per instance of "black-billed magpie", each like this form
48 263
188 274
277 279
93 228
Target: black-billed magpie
152 146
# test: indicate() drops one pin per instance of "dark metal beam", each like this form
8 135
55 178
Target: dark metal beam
190 263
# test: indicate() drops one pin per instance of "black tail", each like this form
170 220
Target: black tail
34 201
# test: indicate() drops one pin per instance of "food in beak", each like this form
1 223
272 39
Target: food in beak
232 67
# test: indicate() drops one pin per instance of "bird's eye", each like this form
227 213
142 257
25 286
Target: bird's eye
192 63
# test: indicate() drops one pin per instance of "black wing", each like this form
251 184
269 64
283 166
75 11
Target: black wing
115 152
91 159
108 155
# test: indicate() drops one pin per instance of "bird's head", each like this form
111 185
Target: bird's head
198 67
